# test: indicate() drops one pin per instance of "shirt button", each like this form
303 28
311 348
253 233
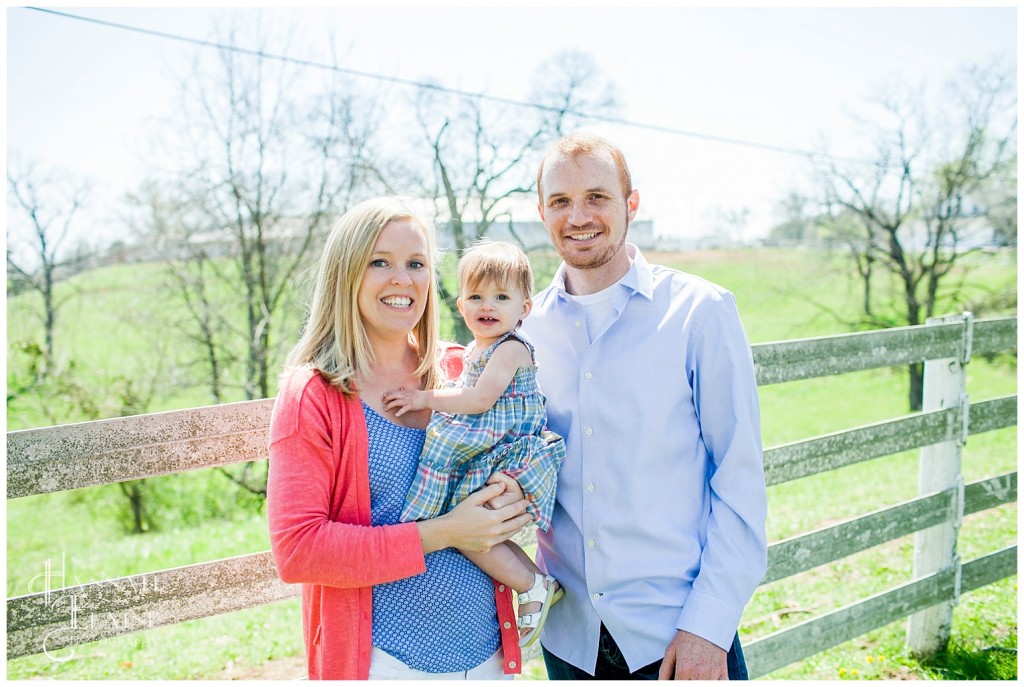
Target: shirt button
578 324
590 487
591 543
588 375
501 587
596 596
511 664
590 431
507 625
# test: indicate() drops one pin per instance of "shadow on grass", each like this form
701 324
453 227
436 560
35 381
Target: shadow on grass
958 662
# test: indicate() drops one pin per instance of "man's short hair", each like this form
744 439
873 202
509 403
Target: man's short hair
577 144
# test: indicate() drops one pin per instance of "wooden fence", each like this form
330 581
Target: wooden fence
92 453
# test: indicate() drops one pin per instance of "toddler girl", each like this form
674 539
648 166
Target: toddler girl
492 420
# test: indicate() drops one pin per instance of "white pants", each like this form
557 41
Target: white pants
384 666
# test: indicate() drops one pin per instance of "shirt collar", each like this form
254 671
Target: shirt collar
638 279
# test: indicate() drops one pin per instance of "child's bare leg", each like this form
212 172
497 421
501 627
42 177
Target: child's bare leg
503 564
510 565
523 556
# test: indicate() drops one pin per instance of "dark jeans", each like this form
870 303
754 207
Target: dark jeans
612 666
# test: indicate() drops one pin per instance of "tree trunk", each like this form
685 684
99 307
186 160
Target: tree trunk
211 354
460 332
49 321
916 375
135 495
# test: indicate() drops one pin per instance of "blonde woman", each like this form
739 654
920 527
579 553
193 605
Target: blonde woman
380 598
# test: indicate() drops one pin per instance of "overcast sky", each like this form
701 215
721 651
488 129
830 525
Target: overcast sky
83 97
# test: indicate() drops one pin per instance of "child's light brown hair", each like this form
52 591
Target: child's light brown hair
499 261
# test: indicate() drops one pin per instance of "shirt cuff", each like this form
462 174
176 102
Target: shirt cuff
710 618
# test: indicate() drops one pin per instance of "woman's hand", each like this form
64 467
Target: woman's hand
471 526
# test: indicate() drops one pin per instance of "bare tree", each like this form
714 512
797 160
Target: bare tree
46 207
177 228
485 155
571 86
797 226
265 155
733 222
908 220
268 158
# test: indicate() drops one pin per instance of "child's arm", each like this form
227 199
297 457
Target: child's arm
501 368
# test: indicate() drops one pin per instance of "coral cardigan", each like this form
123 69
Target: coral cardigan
318 508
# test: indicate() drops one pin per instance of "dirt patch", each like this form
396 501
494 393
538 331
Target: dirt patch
288 668
294 668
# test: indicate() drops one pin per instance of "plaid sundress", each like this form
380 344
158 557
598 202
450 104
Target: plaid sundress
461 451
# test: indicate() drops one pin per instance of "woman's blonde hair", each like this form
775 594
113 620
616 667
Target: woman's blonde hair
334 340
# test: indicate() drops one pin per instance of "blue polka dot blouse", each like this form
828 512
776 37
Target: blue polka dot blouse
443 620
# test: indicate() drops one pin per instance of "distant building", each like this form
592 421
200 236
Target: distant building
533 235
530 233
287 235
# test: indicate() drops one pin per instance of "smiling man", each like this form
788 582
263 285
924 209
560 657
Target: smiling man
658 533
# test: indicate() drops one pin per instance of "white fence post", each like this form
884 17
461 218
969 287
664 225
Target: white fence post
935 548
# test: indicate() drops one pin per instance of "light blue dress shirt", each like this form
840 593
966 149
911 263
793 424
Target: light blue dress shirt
659 521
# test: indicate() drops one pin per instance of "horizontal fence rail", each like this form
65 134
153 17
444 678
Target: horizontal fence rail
985 570
86 454
797 554
121 449
814 636
124 605
55 619
839 449
994 413
994 336
788 361
990 493
803 552
126 448
832 451
787 646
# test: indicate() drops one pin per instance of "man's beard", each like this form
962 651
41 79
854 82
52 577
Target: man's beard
591 260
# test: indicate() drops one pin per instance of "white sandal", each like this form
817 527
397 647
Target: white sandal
548 596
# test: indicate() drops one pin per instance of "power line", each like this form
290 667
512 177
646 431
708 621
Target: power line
443 89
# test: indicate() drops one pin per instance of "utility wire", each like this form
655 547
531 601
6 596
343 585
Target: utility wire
444 89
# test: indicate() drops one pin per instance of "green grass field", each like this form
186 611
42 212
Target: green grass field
770 287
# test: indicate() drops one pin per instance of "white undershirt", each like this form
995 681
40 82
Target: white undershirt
600 309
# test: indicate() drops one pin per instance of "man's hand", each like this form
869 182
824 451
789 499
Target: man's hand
689 657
